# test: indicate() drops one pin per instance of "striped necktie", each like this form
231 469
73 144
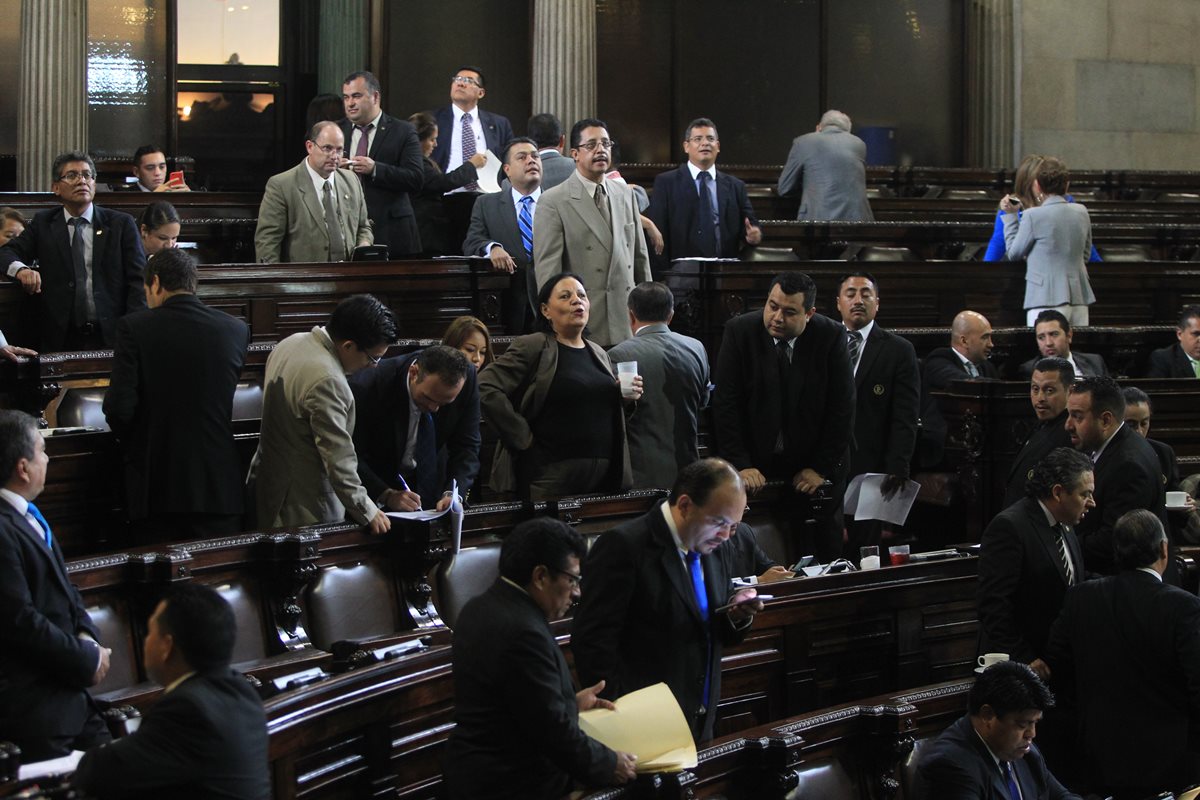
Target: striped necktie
468 147
525 223
1060 540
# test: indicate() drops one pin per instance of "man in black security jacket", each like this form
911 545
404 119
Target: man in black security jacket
1048 391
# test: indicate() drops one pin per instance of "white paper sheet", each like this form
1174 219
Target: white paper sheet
54 766
865 500
490 174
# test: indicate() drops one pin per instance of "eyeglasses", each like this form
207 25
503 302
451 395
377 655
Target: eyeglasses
373 359
702 139
329 149
607 144
571 576
467 79
75 175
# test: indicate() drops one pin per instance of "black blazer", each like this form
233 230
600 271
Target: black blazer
399 175
1125 653
381 433
170 402
1170 362
887 390
497 131
1022 581
746 405
44 667
430 208
638 623
957 766
207 738
494 219
1128 476
941 367
117 264
1045 437
673 208
516 730
1090 364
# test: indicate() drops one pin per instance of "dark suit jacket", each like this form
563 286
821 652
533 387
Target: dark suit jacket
1089 363
742 554
430 209
117 264
674 206
494 219
381 433
1022 581
746 406
170 402
958 766
638 623
1128 476
1045 437
887 390
44 667
1130 647
516 728
399 175
207 738
941 367
1166 460
1170 362
497 131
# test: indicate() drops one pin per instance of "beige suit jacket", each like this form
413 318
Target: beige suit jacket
291 219
569 235
305 470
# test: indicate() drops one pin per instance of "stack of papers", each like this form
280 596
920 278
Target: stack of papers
648 723
865 500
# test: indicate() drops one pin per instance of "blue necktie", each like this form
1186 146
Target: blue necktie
696 570
37 515
525 223
1011 777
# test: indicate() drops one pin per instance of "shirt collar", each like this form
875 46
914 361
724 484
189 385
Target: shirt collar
175 683
536 194
1152 571
983 741
670 518
1096 457
16 501
963 358
316 176
458 113
712 171
865 330
87 213
590 186
1050 520
374 121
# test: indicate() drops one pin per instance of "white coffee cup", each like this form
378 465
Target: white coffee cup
626 372
1177 499
987 659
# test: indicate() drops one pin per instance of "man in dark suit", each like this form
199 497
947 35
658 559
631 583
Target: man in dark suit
1029 557
1048 390
887 390
466 129
965 358
547 132
655 595
50 655
417 430
207 735
784 404
89 262
502 229
989 754
1128 647
516 712
701 212
385 154
1128 474
170 403
1182 359
1053 333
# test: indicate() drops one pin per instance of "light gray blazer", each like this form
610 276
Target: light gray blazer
569 236
1055 240
305 470
291 219
556 168
828 169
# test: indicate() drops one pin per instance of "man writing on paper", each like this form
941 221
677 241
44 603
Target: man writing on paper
516 712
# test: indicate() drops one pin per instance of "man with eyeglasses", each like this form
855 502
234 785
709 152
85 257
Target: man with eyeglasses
305 470
89 262
591 226
827 168
466 129
314 212
700 211
657 605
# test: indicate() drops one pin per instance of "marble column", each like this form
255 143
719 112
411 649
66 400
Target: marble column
52 101
343 42
564 59
991 84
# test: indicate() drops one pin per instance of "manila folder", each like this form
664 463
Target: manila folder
648 723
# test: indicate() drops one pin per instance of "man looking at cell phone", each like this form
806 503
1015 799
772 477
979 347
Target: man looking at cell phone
150 169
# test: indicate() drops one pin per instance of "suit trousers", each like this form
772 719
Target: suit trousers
569 476
1076 315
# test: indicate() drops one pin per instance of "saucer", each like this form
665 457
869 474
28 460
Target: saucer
1177 508
979 670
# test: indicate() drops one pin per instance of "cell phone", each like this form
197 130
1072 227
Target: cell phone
176 177
727 606
806 561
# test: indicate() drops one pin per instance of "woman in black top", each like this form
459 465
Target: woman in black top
432 221
556 405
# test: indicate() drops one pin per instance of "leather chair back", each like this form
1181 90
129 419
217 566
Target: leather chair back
463 576
351 601
826 779
116 632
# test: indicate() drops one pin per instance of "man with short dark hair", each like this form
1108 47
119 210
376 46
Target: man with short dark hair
417 431
150 169
464 128
547 132
828 170
169 402
1048 390
305 470
989 754
50 654
88 262
663 428
1128 647
655 596
207 735
1053 333
1182 359
516 712
965 358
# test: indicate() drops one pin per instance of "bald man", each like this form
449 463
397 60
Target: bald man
965 359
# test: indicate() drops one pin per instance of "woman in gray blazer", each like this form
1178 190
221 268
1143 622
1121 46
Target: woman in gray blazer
1054 238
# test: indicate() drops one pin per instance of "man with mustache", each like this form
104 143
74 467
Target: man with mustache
1048 389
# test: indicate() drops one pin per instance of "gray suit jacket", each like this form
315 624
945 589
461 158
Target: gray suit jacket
569 235
829 170
494 219
662 429
291 219
1055 239
305 470
556 168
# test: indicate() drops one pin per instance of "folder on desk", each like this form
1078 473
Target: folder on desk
648 723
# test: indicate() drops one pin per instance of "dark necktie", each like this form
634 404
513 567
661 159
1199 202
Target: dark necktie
1010 778
337 245
601 199
854 345
784 365
709 238
696 571
364 140
37 515
80 265
525 223
1060 539
468 147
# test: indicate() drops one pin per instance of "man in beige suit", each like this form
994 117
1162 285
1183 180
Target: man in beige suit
305 470
591 226
314 211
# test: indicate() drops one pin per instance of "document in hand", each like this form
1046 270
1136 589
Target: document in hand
648 723
865 500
